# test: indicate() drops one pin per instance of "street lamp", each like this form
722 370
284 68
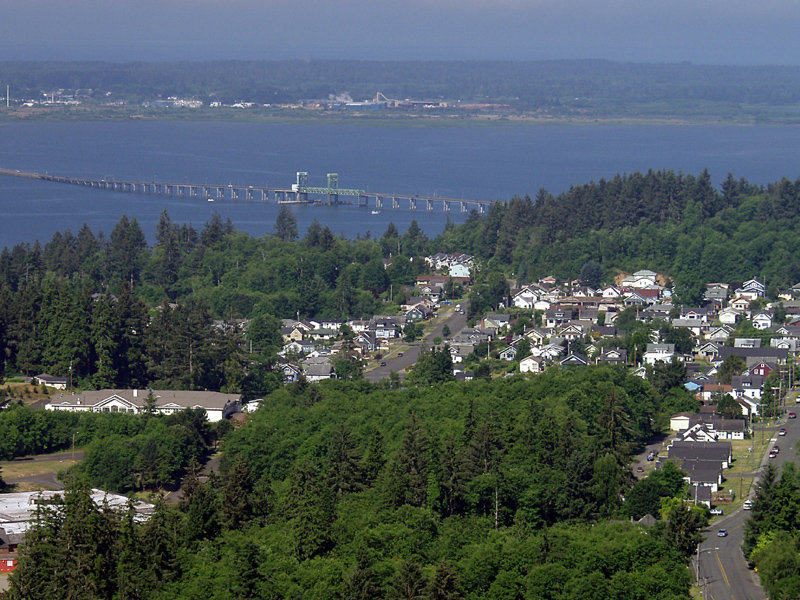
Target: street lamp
697 560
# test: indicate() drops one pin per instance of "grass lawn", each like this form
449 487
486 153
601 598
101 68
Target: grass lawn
17 469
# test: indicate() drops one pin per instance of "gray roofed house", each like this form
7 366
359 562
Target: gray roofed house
698 432
59 383
217 405
718 451
319 371
659 352
704 472
575 359
613 356
753 355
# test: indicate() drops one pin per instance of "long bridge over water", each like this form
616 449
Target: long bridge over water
299 193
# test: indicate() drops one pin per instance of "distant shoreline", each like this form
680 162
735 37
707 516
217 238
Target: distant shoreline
430 119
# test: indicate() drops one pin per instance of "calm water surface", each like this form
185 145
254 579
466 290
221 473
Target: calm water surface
488 163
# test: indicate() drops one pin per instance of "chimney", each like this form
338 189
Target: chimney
135 393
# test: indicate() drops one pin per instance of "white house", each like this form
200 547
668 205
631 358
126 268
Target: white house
762 320
531 364
217 405
752 288
59 383
659 352
525 298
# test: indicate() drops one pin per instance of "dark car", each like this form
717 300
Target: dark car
383 363
399 355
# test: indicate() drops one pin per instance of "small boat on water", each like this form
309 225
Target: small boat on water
376 212
210 199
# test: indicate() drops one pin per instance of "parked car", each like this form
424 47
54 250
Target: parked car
772 454
399 355
651 457
722 533
792 415
776 448
383 363
716 511
748 504
782 431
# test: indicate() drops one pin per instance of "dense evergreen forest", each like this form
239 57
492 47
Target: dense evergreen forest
589 88
495 489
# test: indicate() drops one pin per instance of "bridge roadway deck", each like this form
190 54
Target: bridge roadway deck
213 192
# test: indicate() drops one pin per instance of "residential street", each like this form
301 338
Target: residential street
454 320
723 568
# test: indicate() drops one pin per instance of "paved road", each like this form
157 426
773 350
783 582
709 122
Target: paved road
722 567
455 321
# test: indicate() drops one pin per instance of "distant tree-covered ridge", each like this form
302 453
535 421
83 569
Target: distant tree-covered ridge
672 223
575 88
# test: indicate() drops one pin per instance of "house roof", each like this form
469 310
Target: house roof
45 378
700 450
138 398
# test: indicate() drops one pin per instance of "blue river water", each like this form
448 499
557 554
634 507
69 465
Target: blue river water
482 162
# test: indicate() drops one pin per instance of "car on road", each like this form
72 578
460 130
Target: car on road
639 470
776 448
782 431
748 504
792 415
383 363
716 511
399 355
722 533
651 457
772 454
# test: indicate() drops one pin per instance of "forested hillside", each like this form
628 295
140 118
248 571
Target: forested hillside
119 314
495 489
668 222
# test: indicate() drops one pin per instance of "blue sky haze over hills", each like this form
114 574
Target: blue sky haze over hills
701 31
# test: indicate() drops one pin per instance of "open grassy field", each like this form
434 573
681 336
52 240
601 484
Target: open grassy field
19 469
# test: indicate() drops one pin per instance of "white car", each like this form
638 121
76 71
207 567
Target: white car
716 511
748 504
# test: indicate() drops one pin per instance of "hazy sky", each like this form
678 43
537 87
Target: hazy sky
700 31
